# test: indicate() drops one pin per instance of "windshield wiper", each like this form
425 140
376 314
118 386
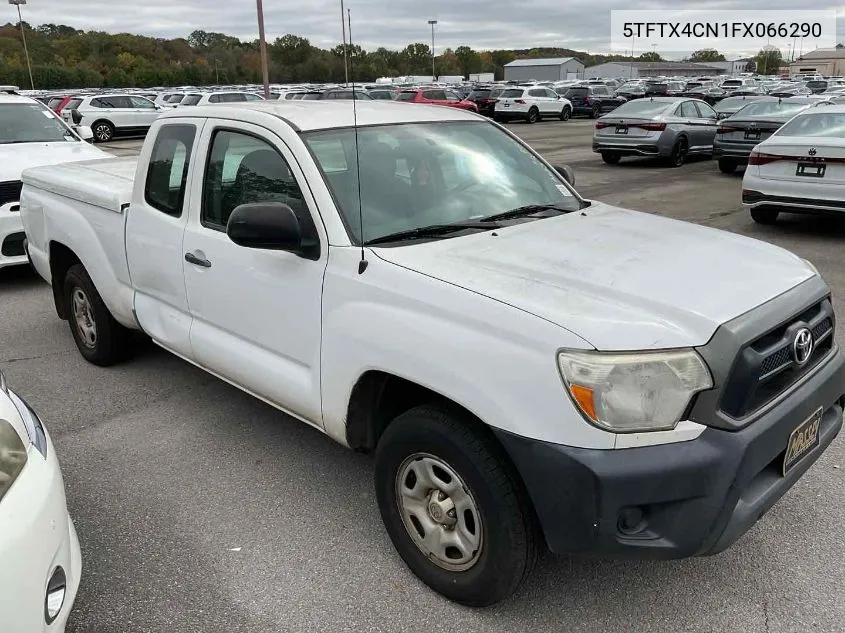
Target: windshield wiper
519 212
433 230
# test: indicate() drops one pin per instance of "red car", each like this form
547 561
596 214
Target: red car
436 96
57 102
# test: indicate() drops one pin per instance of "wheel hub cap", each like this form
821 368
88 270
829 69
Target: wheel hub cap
82 314
439 512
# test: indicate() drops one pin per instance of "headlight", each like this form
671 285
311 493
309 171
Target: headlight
34 428
629 392
4 388
12 456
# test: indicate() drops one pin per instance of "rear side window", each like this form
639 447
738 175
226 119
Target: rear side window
406 96
687 110
576 92
438 95
168 171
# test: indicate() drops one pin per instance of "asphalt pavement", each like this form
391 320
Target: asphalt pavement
200 508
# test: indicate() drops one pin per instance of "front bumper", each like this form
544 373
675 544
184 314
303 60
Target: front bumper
695 497
36 536
11 236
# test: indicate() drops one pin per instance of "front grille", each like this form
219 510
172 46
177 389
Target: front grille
10 191
766 367
13 245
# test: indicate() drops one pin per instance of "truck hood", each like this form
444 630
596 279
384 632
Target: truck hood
621 280
14 158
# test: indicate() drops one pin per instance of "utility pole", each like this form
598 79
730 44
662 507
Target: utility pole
18 4
631 67
345 52
432 23
265 70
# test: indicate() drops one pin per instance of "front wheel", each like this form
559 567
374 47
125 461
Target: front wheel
679 153
453 507
101 340
566 113
764 216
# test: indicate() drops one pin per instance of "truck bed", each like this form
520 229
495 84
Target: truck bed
104 183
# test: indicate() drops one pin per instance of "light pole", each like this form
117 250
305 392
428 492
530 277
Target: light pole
263 45
18 4
432 23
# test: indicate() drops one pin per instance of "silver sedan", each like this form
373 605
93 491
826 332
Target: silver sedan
668 127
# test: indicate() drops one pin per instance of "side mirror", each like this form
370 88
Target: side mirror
566 173
76 117
84 132
265 225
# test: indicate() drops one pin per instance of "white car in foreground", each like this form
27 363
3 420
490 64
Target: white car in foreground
40 560
31 135
800 168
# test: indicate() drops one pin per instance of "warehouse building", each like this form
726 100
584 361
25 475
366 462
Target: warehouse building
634 70
553 69
829 62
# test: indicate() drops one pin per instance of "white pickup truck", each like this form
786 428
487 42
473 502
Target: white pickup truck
530 368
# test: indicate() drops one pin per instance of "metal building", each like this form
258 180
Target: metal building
633 70
553 69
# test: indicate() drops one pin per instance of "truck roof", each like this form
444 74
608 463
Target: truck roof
325 115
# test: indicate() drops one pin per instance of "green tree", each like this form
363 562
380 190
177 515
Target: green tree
768 60
707 55
650 57
468 59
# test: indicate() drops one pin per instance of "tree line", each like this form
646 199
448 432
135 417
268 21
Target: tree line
64 57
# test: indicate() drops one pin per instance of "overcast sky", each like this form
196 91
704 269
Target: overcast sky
482 24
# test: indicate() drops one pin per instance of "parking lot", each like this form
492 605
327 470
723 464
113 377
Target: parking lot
200 508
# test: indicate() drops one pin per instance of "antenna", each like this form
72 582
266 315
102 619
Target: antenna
362 265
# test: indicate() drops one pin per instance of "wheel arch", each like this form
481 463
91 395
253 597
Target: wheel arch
62 259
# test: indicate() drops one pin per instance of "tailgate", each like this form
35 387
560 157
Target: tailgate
106 182
751 132
625 127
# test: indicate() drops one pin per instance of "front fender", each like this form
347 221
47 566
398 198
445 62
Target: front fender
494 360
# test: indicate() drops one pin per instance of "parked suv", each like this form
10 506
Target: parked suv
485 98
111 115
531 104
592 100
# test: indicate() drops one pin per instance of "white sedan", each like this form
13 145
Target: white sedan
800 168
40 560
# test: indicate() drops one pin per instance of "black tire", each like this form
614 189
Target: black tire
679 153
764 216
103 131
110 342
595 113
508 535
533 115
727 166
611 158
566 113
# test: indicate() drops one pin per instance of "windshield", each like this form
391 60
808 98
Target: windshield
642 107
73 104
191 100
31 123
512 93
731 82
421 174
479 94
312 96
769 108
816 124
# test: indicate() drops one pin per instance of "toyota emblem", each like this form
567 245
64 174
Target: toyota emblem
802 346
812 151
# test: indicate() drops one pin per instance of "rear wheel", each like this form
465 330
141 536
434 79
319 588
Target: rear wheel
566 113
764 216
679 153
101 340
727 166
611 158
453 507
533 115
103 131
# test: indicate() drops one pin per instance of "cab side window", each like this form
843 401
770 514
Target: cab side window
243 169
168 171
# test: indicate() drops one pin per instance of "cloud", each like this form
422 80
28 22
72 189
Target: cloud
481 24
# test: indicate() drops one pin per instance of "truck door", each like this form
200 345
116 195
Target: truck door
155 228
256 313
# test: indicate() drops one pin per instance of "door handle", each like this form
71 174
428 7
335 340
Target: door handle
199 261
